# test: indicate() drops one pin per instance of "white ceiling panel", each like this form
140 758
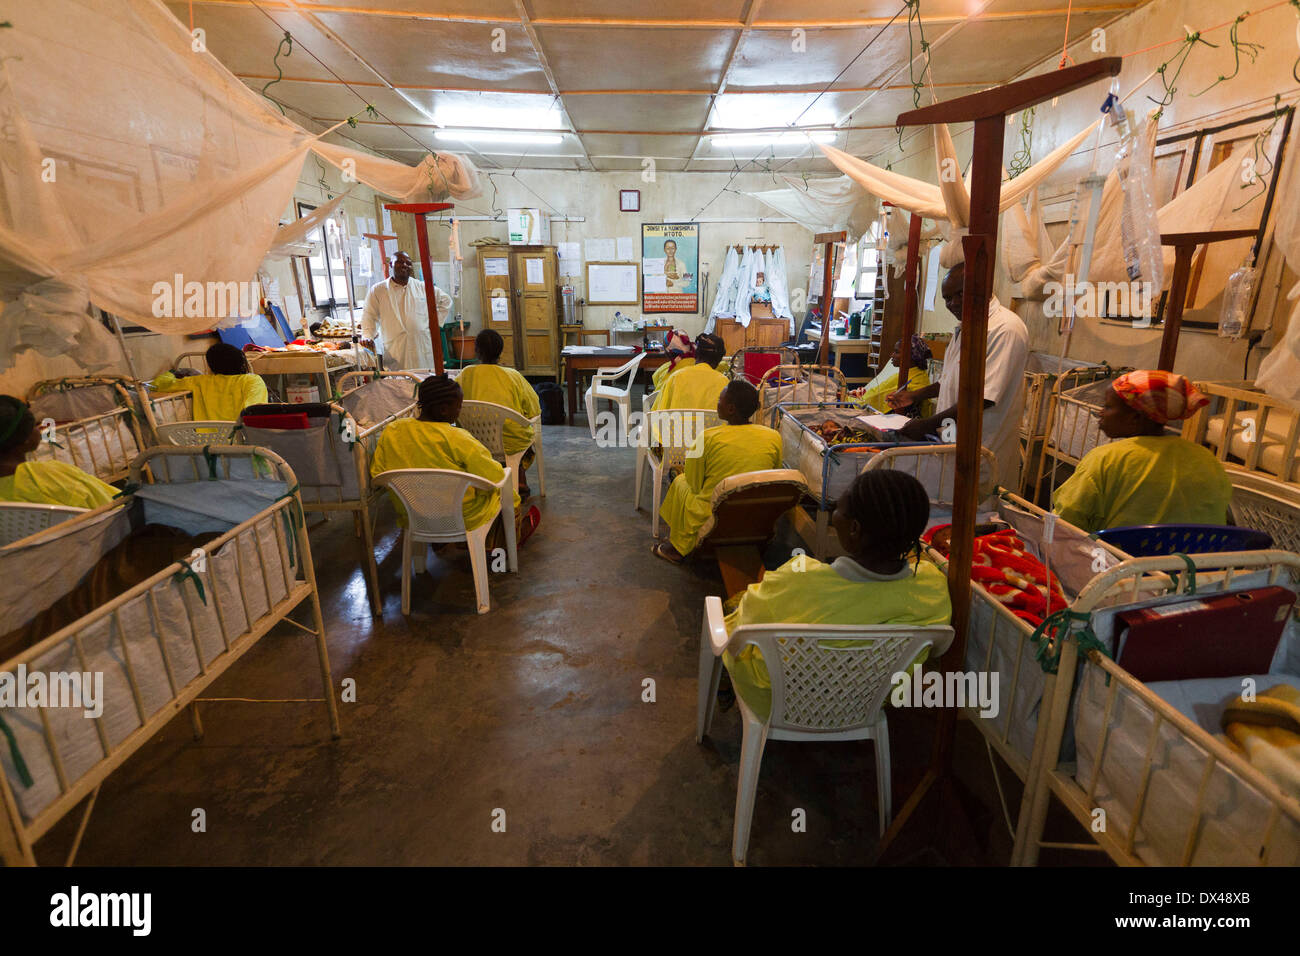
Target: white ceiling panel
637 147
638 112
589 58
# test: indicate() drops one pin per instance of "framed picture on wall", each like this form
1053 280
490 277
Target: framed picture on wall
670 267
629 200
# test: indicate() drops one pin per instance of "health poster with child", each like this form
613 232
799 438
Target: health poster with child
670 267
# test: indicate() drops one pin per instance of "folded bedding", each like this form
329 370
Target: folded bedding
1266 730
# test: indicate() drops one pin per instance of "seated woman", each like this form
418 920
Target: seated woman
699 384
879 521
432 440
1146 476
491 382
40 482
221 395
726 450
876 392
681 353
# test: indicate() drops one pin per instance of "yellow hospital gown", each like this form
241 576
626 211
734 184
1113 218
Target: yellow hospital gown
55 483
503 386
806 591
217 398
886 383
727 450
667 370
1150 479
696 386
411 443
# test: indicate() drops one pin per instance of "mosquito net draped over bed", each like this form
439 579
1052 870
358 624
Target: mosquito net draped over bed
129 156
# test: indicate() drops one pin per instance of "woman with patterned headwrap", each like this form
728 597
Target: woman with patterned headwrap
681 354
40 482
1146 475
875 392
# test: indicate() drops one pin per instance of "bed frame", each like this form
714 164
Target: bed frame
1060 439
1040 385
1276 836
329 498
1239 410
101 444
282 520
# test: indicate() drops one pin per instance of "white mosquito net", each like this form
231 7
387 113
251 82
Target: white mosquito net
128 158
823 205
1279 372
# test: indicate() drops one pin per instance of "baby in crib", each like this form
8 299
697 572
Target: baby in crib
40 482
1146 475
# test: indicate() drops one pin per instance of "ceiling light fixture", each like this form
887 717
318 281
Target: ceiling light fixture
499 136
800 138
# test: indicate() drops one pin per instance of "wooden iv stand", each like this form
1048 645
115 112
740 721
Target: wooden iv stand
383 241
988 110
1184 244
420 210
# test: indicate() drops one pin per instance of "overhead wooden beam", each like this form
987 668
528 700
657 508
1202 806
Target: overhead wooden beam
1014 97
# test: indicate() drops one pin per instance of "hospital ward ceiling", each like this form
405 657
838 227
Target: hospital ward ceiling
608 84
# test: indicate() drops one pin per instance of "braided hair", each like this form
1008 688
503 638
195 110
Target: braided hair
16 422
892 508
709 349
435 394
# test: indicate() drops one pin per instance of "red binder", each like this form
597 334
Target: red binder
1219 635
290 420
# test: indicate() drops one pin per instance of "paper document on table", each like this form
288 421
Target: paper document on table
626 247
884 423
580 349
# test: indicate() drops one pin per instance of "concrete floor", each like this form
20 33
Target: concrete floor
534 708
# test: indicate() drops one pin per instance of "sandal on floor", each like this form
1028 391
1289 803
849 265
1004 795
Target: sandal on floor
532 519
658 552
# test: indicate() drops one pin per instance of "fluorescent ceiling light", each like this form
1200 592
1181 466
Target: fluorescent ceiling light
773 139
499 136
506 111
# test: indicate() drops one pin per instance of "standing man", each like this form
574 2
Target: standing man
1004 383
396 307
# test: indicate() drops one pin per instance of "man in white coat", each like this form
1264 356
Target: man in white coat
1004 384
396 308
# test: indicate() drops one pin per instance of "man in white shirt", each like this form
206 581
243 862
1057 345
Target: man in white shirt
396 306
1004 383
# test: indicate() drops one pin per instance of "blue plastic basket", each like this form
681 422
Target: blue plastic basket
1153 540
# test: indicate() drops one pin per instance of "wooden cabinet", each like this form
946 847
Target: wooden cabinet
759 332
519 297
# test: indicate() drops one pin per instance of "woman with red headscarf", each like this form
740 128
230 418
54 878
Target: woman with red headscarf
1146 475
681 354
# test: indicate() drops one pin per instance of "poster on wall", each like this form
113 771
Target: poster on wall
670 263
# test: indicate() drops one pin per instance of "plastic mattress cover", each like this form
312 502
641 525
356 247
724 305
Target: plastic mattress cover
1237 814
380 399
160 636
102 445
321 457
70 404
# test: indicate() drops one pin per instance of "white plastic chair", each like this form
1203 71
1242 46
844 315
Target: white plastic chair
602 386
819 693
434 499
678 430
486 421
18 519
198 433
642 444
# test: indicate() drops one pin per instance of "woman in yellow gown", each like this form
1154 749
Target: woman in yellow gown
875 393
221 395
879 522
681 354
40 482
433 441
490 381
731 449
698 384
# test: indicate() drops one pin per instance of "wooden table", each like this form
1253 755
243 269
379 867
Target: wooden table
842 345
575 365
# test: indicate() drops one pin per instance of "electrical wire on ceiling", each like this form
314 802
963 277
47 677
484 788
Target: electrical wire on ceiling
793 126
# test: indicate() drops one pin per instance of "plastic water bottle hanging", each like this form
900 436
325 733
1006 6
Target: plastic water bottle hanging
1139 225
1234 315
